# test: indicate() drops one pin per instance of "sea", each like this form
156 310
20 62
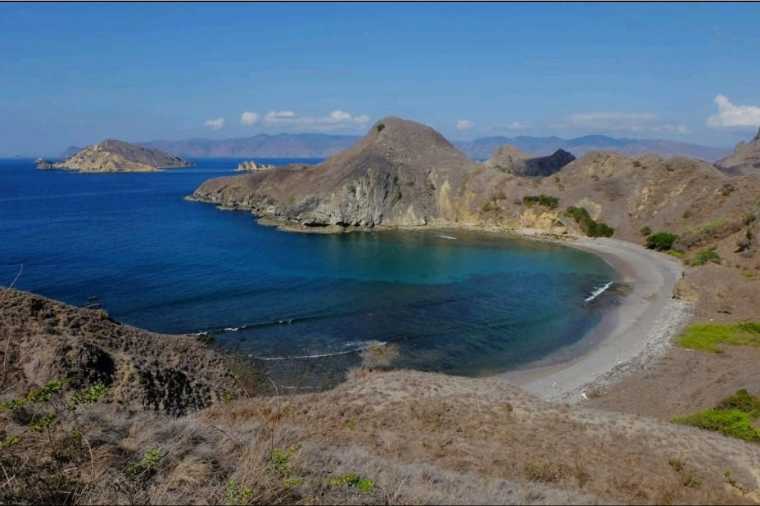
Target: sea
306 308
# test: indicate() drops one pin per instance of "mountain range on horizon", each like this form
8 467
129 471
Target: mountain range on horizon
317 145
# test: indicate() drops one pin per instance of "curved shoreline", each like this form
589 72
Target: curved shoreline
629 335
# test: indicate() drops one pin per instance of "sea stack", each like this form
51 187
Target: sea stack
117 156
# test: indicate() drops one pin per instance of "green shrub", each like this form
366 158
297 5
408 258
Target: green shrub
237 494
145 466
589 227
646 231
353 480
541 200
89 395
742 401
707 336
661 241
706 255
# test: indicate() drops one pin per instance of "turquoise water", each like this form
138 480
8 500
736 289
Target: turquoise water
450 301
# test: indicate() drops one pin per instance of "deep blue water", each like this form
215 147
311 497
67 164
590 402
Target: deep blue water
473 305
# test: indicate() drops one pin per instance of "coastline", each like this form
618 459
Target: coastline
628 337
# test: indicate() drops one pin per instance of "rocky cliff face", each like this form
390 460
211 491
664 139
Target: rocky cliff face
117 156
401 174
745 160
511 160
84 347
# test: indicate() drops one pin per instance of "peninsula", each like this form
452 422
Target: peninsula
116 156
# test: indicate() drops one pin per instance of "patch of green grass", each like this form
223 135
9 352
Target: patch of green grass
704 256
364 485
590 227
734 416
541 200
707 336
731 422
661 241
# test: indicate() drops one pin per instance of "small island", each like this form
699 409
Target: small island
251 166
116 156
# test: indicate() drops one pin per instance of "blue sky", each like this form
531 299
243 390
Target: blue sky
73 74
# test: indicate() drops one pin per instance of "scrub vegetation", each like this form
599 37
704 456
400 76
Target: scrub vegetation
735 416
709 336
590 227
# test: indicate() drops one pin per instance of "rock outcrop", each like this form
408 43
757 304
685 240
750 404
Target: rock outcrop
509 159
252 166
118 156
401 174
745 160
84 347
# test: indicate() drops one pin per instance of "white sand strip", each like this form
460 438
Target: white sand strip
629 336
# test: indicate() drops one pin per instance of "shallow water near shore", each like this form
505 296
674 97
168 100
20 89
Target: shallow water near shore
301 306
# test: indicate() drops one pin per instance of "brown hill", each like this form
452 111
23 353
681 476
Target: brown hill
401 174
745 160
118 156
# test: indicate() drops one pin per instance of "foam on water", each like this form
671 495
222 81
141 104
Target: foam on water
597 292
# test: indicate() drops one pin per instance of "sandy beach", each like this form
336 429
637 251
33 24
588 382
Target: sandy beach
629 336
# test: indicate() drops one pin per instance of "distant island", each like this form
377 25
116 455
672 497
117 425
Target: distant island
116 156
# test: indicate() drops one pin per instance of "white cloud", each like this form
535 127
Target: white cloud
214 124
516 125
335 120
279 115
464 124
730 115
249 118
633 122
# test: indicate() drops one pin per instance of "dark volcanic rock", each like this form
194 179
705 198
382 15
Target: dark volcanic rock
745 160
511 160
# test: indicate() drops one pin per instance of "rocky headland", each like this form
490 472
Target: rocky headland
745 160
116 156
